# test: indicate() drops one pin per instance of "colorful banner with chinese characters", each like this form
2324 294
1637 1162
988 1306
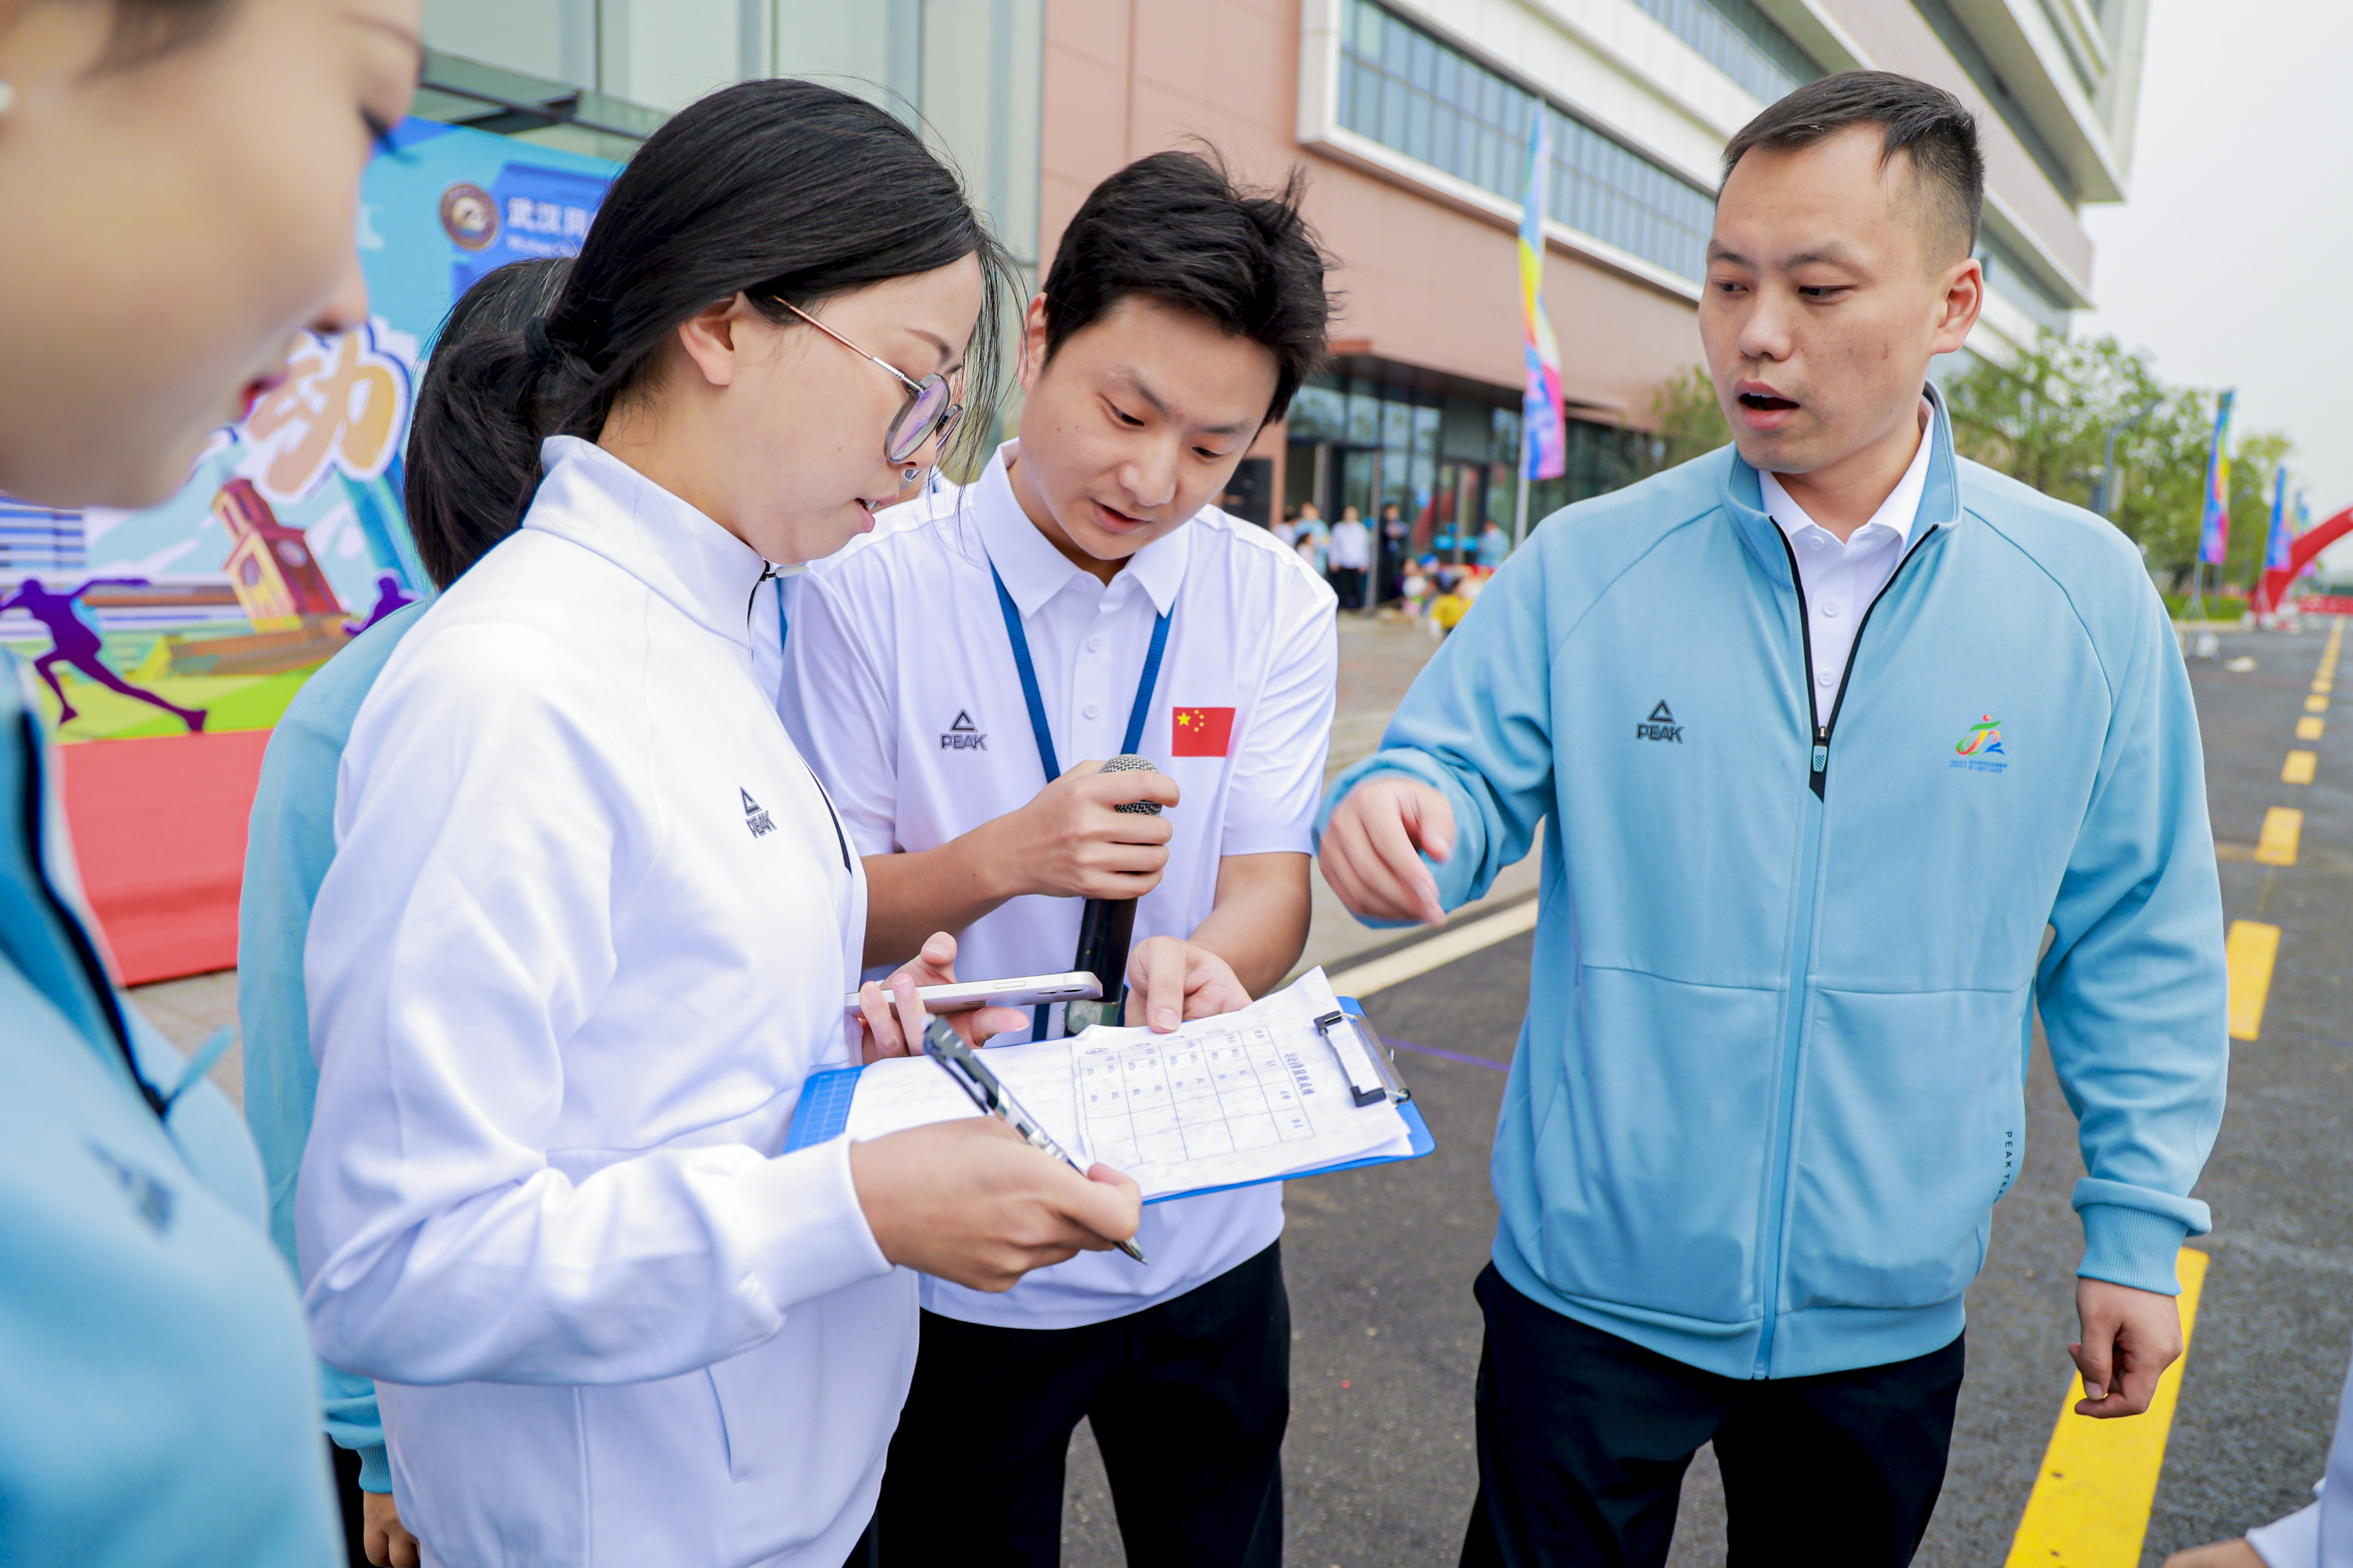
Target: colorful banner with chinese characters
2214 530
170 640
209 612
1543 433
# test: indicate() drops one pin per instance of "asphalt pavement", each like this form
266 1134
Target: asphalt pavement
1379 1465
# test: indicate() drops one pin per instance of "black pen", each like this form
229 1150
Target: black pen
945 1046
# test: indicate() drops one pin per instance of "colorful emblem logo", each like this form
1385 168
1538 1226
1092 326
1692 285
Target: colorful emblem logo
470 216
1983 739
1975 749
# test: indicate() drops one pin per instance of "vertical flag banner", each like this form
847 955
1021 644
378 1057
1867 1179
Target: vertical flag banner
2276 553
2304 526
2214 533
1543 435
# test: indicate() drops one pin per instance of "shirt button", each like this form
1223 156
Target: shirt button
1813 542
1830 610
1091 710
1094 645
1823 679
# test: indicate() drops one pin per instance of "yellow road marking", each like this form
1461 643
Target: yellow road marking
2299 766
2308 728
1427 954
2090 1504
2248 954
2283 826
2323 685
2316 704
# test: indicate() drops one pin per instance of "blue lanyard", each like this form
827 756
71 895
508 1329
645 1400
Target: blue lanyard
1036 705
1036 702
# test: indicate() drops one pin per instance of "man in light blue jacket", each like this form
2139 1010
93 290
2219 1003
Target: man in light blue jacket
1824 732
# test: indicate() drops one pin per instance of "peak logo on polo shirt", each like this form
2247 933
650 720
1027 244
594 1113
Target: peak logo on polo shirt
963 735
1660 726
1200 731
755 815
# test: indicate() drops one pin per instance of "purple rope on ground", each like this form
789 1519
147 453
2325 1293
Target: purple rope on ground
1447 1056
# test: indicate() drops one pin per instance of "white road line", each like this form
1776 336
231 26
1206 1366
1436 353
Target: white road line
1429 953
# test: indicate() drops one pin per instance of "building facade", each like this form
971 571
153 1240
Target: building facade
1411 119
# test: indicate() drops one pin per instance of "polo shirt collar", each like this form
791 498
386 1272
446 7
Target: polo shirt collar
1897 513
1034 570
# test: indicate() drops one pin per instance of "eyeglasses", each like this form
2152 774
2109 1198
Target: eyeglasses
927 413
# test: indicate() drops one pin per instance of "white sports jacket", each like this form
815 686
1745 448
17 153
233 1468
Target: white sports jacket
586 932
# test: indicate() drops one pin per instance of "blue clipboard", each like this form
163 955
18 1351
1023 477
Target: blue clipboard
823 1112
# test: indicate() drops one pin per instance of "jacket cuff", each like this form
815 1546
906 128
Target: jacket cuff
2132 1246
375 1469
805 1232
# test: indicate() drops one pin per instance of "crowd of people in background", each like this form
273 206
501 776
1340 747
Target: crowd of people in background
1373 567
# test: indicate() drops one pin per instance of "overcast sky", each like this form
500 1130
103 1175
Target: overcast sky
2233 260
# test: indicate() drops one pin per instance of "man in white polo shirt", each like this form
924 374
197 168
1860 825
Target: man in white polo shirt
959 677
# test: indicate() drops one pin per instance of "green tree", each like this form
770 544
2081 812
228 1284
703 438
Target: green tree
1689 420
2044 419
2253 466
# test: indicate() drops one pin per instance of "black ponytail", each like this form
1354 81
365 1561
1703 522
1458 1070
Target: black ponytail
460 464
787 192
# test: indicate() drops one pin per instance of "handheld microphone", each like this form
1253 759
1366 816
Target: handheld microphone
1107 926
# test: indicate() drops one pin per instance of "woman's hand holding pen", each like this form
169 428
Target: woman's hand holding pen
935 966
968 1200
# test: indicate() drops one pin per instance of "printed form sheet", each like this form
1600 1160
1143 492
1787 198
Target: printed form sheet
1249 1096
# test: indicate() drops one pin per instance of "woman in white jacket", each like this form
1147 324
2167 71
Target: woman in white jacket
591 919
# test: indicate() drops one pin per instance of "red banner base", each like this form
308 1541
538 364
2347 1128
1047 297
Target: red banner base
159 829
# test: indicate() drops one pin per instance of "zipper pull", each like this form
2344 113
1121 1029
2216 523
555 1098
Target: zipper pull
1821 749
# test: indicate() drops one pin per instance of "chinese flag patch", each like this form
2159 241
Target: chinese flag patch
1201 731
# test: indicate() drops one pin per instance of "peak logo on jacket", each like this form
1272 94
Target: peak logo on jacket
1660 726
1982 742
963 735
755 815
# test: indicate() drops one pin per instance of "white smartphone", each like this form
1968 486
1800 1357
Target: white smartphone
1022 990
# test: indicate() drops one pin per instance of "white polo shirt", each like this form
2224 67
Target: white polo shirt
1843 576
899 681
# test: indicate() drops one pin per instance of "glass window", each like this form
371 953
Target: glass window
1409 91
1318 413
1739 40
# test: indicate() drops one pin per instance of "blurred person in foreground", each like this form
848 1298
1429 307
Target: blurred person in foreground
161 1406
2319 1535
1825 731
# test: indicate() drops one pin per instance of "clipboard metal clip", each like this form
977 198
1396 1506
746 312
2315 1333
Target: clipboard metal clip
1364 1060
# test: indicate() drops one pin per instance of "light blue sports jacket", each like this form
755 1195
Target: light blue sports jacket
287 849
155 1405
1771 1078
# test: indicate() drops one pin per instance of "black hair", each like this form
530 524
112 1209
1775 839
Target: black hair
787 192
453 468
1931 125
1174 227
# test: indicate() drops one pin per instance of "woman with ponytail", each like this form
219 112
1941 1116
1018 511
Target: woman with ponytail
590 919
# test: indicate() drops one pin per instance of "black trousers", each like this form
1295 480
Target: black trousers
1187 1399
347 1501
1348 581
1584 1438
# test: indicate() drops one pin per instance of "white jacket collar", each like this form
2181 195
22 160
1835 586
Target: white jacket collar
603 505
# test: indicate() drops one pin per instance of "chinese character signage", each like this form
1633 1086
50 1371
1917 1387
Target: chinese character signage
209 612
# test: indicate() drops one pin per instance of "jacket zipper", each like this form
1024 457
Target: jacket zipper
85 954
1793 1031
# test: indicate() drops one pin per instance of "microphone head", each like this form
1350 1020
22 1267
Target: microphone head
1129 762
